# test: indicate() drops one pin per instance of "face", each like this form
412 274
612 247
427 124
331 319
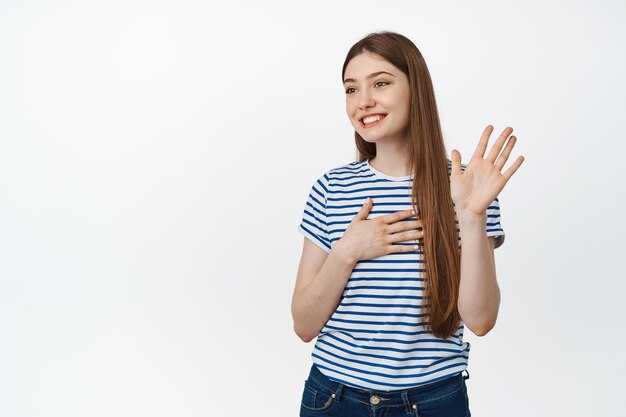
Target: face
377 98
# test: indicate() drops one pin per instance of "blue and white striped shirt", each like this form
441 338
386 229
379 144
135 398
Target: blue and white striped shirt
374 339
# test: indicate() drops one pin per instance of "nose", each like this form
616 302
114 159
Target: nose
365 100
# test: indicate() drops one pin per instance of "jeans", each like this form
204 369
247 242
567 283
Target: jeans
444 398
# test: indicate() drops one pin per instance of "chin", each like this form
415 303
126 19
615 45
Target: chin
366 139
371 138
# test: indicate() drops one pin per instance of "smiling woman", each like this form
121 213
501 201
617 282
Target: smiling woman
398 252
372 79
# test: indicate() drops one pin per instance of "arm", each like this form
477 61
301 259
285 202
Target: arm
472 191
479 294
322 276
321 280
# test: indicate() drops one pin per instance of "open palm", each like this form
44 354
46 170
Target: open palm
475 188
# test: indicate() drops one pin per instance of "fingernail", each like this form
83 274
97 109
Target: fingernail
412 211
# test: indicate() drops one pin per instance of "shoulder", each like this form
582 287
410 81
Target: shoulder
341 172
326 182
351 168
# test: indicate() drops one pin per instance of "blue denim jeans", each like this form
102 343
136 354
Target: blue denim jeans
444 398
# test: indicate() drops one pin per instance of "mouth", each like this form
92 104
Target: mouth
372 120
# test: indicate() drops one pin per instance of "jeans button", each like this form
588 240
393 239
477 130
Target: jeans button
374 399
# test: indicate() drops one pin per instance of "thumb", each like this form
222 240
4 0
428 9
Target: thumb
456 162
365 209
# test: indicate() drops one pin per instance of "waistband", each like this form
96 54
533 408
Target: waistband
395 398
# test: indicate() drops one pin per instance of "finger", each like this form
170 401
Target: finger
505 153
402 248
482 143
405 225
364 211
405 236
397 216
456 162
509 172
497 146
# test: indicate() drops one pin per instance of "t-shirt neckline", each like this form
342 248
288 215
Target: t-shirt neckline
385 176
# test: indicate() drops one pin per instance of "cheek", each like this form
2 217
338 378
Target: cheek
354 123
404 106
350 107
349 111
405 118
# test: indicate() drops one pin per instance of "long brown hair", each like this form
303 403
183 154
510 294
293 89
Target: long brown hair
431 184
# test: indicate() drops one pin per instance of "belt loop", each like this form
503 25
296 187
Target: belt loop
405 400
467 372
338 392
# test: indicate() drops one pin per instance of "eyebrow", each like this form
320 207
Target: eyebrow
372 75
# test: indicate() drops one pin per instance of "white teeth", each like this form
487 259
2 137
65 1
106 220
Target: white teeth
373 119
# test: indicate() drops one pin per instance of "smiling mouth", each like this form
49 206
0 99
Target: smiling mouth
371 121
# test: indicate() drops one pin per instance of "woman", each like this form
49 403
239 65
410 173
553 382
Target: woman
398 253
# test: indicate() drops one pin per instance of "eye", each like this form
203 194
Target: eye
349 90
378 82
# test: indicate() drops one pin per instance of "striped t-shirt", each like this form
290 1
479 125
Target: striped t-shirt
374 339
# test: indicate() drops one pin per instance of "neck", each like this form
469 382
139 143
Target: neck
392 160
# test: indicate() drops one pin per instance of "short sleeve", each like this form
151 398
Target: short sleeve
314 225
494 228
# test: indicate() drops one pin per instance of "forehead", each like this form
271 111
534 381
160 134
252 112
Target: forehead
367 63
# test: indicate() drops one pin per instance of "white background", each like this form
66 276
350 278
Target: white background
155 158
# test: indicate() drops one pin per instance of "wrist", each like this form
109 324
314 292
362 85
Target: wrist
342 252
468 219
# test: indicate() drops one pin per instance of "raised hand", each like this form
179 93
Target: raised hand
367 239
481 182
